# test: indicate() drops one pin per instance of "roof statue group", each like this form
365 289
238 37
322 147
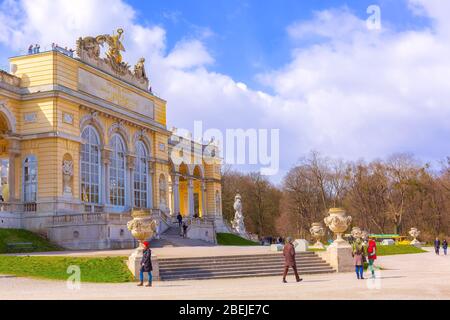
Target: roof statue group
88 49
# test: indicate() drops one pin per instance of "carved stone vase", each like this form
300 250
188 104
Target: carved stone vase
317 231
357 233
338 222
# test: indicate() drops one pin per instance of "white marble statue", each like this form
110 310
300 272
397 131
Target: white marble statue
238 222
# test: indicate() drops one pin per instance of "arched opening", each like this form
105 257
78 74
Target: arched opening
183 189
198 192
90 168
117 172
140 181
7 172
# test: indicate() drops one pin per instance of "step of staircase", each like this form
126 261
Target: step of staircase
224 267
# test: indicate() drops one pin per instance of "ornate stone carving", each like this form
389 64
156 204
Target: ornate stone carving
317 231
67 169
357 233
338 222
238 222
142 227
88 50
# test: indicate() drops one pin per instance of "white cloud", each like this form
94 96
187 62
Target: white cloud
356 93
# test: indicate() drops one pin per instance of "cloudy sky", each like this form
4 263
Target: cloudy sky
312 69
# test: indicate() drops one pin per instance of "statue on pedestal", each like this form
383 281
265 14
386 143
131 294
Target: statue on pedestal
238 222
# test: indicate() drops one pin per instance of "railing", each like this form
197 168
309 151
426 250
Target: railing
29 207
93 208
8 207
90 218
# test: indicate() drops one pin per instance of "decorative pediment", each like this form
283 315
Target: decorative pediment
88 50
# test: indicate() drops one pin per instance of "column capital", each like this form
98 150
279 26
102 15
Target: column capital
131 161
190 183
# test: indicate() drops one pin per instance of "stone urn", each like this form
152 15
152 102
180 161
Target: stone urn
415 233
317 231
142 227
357 233
338 222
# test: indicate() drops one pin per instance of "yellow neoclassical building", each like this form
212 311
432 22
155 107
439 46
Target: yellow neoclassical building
84 141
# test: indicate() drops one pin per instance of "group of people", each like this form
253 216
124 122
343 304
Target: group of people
438 244
183 225
34 49
361 255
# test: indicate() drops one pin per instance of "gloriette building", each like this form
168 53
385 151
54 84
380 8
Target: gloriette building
84 141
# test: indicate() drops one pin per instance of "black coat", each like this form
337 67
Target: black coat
146 262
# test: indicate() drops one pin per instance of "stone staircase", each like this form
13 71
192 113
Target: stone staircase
172 238
224 267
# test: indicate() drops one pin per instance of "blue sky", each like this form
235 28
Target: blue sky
312 69
249 36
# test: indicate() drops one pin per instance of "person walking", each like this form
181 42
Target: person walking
437 245
445 246
180 219
185 227
146 265
372 256
289 260
358 257
30 49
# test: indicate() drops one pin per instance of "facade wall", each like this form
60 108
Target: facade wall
44 117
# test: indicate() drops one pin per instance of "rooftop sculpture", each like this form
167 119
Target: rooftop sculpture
88 50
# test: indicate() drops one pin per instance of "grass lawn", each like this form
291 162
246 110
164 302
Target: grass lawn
101 270
399 249
19 235
228 239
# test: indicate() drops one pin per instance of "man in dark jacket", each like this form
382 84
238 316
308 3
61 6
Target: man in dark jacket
289 260
437 245
146 265
180 219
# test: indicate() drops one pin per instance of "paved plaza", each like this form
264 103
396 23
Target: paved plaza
416 276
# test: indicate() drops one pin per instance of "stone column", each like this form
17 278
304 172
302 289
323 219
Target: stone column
14 152
131 163
204 207
150 195
12 176
106 159
191 197
176 193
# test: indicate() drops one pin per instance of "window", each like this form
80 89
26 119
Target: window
117 172
140 176
30 179
90 166
162 192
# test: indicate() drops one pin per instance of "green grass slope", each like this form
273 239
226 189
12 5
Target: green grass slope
99 270
228 239
19 235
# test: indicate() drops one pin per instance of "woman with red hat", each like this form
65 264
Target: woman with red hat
372 255
146 265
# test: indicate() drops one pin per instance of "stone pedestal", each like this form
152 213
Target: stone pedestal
276 247
339 256
416 243
318 245
301 245
134 264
